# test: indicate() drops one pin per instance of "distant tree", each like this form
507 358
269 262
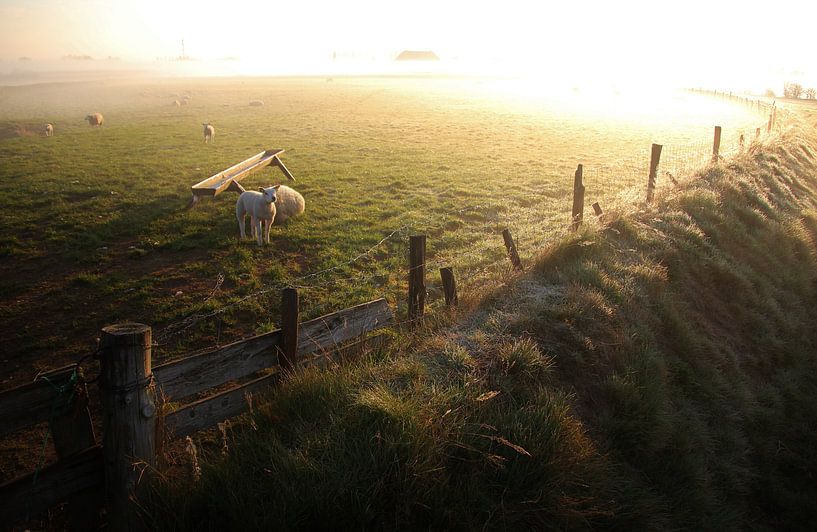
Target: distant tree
792 90
769 93
811 94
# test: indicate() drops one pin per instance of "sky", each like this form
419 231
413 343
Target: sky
710 43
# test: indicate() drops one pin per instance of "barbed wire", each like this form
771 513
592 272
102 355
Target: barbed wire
531 230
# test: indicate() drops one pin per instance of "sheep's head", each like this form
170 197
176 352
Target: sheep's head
268 193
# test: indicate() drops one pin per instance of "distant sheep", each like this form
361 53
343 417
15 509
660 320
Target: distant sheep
184 102
209 133
256 103
95 119
289 203
49 130
261 208
177 103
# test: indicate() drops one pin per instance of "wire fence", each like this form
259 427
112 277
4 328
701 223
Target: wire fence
481 254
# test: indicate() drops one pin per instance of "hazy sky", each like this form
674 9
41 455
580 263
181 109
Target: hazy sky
717 41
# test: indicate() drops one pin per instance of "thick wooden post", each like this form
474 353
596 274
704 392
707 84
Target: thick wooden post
771 117
655 158
288 351
757 133
73 432
449 286
597 209
742 142
716 144
511 247
129 420
578 199
417 276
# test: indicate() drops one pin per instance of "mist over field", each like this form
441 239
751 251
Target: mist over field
608 325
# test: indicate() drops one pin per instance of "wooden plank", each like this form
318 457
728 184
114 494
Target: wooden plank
34 402
201 372
217 183
211 410
198 373
327 332
280 164
55 483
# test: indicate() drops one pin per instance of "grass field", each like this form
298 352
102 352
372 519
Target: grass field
95 230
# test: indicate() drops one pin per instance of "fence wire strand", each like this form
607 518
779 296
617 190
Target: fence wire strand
606 184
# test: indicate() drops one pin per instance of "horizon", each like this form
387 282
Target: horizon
722 47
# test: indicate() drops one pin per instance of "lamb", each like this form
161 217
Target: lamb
95 119
209 133
289 203
261 208
49 130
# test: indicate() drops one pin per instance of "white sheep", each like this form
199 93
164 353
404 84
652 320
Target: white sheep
289 203
209 133
95 119
261 208
177 103
49 130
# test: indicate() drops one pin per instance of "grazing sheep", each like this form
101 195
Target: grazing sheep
289 203
261 208
184 102
209 133
177 103
95 119
49 130
256 103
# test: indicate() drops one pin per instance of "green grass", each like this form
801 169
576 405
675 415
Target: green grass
370 155
654 372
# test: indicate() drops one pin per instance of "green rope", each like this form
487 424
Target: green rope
56 409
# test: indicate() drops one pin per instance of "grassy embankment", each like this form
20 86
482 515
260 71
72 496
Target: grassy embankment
655 372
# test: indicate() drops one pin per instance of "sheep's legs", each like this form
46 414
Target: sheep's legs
256 225
241 219
268 224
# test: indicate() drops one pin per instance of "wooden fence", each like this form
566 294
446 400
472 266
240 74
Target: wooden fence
133 392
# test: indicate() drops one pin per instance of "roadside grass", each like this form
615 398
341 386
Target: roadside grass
655 371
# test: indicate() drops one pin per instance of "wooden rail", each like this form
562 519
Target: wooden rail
54 484
228 179
33 403
192 375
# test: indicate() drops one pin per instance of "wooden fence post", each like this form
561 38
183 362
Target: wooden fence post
511 247
655 158
129 420
73 431
449 287
578 199
597 209
757 133
771 115
417 276
716 144
288 351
